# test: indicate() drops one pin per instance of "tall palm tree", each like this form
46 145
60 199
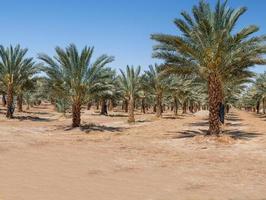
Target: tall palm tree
15 70
72 74
211 48
156 84
130 87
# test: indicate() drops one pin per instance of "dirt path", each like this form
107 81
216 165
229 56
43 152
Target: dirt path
153 160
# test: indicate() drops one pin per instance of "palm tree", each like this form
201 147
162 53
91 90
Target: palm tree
156 84
15 70
106 89
72 74
260 85
130 87
211 49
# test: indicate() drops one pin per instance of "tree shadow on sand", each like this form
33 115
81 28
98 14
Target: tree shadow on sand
87 128
31 118
232 121
235 134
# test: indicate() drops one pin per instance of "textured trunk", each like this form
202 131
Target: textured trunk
20 102
184 107
228 108
175 106
264 105
76 107
154 108
143 109
103 107
126 106
131 117
10 106
97 105
258 107
215 100
88 105
159 108
4 100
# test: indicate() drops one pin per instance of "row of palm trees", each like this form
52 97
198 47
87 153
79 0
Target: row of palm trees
207 65
254 98
72 80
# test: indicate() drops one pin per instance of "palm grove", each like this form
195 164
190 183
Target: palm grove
205 66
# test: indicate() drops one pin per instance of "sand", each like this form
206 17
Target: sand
42 158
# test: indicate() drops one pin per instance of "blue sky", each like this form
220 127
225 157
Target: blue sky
120 28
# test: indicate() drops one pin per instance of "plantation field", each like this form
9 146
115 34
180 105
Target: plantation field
42 157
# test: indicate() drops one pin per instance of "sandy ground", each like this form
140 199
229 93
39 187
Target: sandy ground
42 158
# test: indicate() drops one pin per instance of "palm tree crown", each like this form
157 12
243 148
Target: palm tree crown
73 72
15 71
210 48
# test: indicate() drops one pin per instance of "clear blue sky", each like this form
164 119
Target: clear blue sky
120 28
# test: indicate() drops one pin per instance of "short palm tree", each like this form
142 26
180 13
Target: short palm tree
73 74
210 48
130 87
15 71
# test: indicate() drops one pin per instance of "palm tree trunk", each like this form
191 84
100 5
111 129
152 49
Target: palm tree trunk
20 103
258 107
10 98
4 100
88 105
228 108
126 106
154 108
97 105
159 108
143 108
264 105
215 99
184 107
103 107
76 108
175 106
131 117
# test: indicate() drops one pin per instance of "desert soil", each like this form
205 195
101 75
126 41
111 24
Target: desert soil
42 158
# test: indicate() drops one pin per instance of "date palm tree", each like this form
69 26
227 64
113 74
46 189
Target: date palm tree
72 74
15 71
211 48
130 87
156 84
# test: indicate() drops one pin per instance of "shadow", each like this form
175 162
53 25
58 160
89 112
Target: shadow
233 124
189 134
37 113
233 117
242 135
172 117
116 115
93 127
235 134
30 118
203 123
87 128
261 116
232 121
